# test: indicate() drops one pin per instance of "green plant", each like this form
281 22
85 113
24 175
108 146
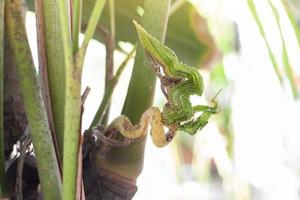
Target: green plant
52 99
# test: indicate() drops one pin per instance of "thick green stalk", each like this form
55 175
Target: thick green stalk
128 161
285 58
2 161
43 73
72 109
55 67
253 11
73 67
33 102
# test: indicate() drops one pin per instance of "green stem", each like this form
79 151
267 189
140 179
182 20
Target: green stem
3 192
33 102
43 73
109 91
89 33
93 22
262 32
128 161
55 57
73 67
76 24
72 109
285 58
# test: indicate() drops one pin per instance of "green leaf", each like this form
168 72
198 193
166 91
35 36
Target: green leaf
189 37
187 32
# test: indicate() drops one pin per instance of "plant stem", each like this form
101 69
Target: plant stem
76 24
73 67
72 109
253 11
93 22
109 91
109 65
33 102
43 73
89 33
3 192
55 57
128 161
110 47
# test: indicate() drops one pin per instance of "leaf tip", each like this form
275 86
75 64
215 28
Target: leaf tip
144 37
139 29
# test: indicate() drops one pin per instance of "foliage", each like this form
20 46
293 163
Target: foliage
52 98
